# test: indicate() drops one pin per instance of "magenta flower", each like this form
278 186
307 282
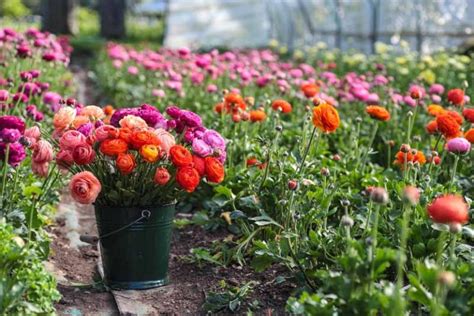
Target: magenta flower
436 88
16 153
10 135
201 148
459 145
13 122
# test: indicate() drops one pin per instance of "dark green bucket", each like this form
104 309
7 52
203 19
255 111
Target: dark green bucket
135 245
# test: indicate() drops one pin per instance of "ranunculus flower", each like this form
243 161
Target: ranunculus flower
93 112
121 113
16 153
83 154
70 139
125 163
85 187
11 121
180 156
64 159
456 96
86 129
214 170
448 209
200 165
326 118
191 119
64 117
436 88
201 148
188 178
106 132
4 95
10 135
42 152
166 140
133 122
459 145
40 168
113 147
214 139
162 176
150 153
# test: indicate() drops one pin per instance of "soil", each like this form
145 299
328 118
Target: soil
83 293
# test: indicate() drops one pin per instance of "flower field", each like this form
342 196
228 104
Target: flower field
353 174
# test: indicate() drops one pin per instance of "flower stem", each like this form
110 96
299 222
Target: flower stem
373 236
453 175
5 171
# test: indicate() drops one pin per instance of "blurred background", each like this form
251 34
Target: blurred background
422 25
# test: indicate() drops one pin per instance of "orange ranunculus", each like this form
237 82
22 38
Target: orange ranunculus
418 156
455 115
456 96
432 127
233 98
214 170
125 133
378 112
180 156
64 117
109 110
84 187
113 147
125 163
257 116
326 118
469 135
219 107
281 105
435 110
449 209
150 153
234 103
188 178
448 126
310 89
143 137
162 176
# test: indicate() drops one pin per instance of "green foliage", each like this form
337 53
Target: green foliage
13 8
25 286
228 301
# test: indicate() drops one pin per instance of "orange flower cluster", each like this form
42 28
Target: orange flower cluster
233 103
378 112
326 117
448 124
411 156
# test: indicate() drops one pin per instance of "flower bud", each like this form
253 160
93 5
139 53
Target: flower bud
391 143
236 118
379 195
447 278
345 202
358 119
415 94
279 128
292 185
368 241
417 138
325 172
336 157
347 221
410 113
411 195
405 148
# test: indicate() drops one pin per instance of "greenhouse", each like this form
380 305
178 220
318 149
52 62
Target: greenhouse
220 157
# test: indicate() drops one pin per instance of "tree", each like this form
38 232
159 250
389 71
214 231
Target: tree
59 16
112 18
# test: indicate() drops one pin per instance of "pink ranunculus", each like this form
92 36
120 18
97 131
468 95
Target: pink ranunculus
436 88
211 88
132 70
85 187
104 132
459 145
42 152
40 168
408 100
159 93
166 140
201 148
70 139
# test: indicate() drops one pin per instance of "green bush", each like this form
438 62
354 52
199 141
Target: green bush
13 8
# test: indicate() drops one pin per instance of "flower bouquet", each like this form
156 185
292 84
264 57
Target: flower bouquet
134 164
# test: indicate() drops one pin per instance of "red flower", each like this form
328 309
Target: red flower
448 209
162 176
180 156
188 178
125 163
468 115
281 105
456 96
83 154
448 125
199 165
214 170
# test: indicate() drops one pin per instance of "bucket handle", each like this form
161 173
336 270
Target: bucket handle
145 215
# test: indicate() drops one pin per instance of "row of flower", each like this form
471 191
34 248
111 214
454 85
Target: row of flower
354 176
33 75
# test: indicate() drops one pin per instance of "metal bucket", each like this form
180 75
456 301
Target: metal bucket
135 245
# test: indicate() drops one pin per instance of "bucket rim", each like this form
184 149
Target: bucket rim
137 206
